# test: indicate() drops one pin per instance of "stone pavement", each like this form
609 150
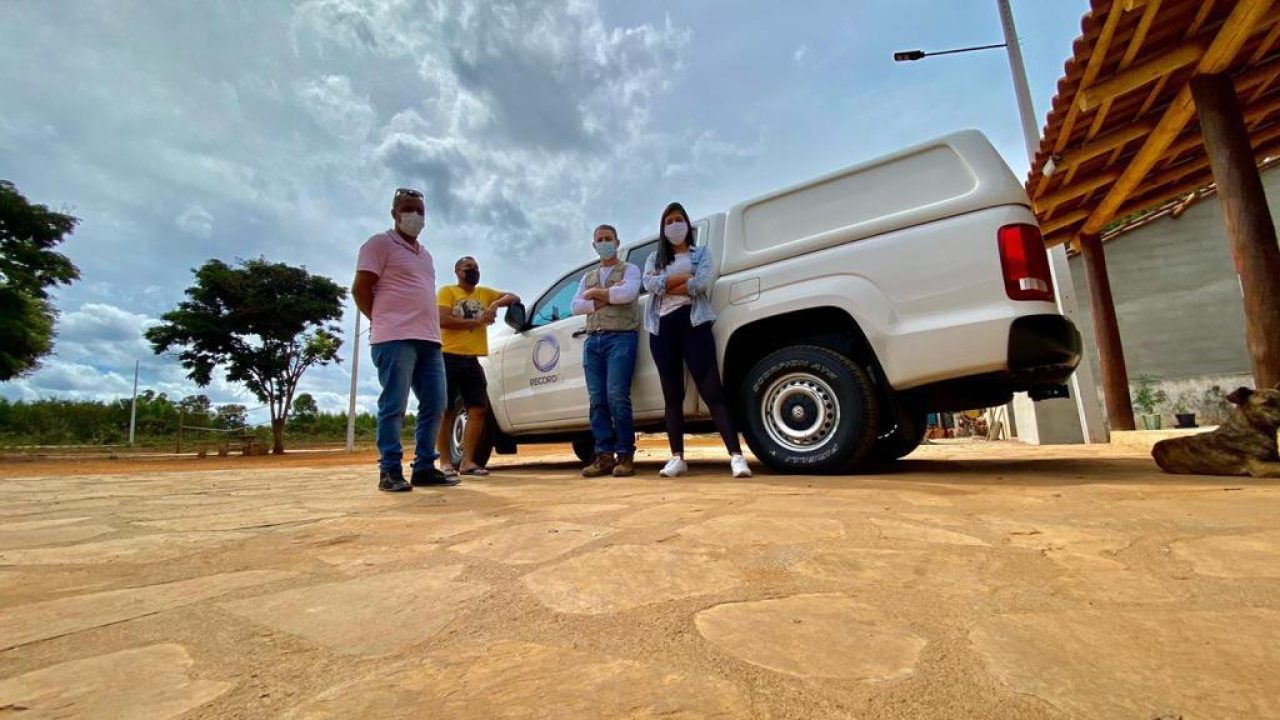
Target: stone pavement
992 581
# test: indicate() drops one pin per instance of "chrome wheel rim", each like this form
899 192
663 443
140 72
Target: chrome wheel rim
800 412
459 432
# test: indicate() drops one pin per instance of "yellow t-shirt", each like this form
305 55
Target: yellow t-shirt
459 303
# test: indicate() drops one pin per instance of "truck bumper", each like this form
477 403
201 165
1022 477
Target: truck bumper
1043 350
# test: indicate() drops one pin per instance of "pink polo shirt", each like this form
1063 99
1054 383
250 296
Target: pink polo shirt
404 297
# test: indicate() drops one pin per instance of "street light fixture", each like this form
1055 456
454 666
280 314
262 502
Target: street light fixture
912 55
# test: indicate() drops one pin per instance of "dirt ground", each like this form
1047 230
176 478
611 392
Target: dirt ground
969 581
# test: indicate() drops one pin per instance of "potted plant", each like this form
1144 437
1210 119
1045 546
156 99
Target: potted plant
1182 411
1146 396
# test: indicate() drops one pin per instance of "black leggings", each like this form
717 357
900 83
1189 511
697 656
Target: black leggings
678 340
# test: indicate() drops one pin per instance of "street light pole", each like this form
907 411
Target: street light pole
355 374
1030 131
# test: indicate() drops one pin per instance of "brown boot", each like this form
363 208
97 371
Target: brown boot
625 467
602 465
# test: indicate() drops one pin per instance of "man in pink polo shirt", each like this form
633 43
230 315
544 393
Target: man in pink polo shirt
395 287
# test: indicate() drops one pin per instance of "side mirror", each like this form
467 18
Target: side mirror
516 316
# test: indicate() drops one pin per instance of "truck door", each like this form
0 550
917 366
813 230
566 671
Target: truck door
543 382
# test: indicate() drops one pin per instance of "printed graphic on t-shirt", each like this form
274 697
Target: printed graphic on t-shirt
468 309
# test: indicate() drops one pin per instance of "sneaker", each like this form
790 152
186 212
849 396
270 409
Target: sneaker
602 465
625 467
739 466
393 481
675 467
429 476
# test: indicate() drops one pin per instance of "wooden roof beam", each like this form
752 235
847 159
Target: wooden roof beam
1106 143
1141 74
1140 34
1252 116
1066 221
1154 69
1075 190
1265 146
1053 229
1116 141
1096 56
1234 32
1130 53
1258 139
1202 16
1265 46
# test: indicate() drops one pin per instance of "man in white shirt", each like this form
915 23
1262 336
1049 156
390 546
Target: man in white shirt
607 296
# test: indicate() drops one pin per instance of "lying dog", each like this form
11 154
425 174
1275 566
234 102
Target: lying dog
1244 445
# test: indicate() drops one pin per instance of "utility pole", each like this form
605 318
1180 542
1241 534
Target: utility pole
133 404
355 374
1030 131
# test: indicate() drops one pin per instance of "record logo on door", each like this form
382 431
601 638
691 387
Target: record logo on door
546 355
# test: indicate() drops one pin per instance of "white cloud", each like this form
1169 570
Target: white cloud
337 106
195 220
523 121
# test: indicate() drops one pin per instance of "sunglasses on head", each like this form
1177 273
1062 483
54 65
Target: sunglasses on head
401 192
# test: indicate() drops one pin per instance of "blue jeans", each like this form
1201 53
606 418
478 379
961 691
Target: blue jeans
405 364
609 362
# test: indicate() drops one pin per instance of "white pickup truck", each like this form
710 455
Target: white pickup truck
848 307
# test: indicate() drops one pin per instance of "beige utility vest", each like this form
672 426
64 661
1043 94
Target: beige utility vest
613 318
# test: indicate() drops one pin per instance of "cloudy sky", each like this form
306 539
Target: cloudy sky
182 131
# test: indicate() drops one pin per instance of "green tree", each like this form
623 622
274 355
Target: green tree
29 267
264 323
304 413
304 406
231 416
156 413
195 405
26 324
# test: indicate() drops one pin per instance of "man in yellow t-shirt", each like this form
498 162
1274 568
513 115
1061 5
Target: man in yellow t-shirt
466 312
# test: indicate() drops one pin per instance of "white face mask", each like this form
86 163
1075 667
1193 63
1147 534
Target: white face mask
411 224
678 232
606 249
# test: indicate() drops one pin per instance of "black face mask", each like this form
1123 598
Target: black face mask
472 277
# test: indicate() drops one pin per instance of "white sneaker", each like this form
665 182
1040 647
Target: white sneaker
675 467
739 466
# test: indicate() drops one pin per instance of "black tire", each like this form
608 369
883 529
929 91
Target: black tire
585 449
902 438
814 385
482 453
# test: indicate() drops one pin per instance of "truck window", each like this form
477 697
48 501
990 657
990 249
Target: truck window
639 255
555 304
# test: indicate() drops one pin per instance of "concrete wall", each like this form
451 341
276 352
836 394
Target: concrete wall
1177 300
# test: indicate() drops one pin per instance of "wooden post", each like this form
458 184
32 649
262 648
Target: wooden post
181 417
1249 227
1106 333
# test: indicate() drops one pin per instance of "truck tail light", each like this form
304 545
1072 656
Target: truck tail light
1025 263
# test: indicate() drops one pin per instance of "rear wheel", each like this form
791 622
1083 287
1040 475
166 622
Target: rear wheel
585 449
459 431
809 409
902 438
